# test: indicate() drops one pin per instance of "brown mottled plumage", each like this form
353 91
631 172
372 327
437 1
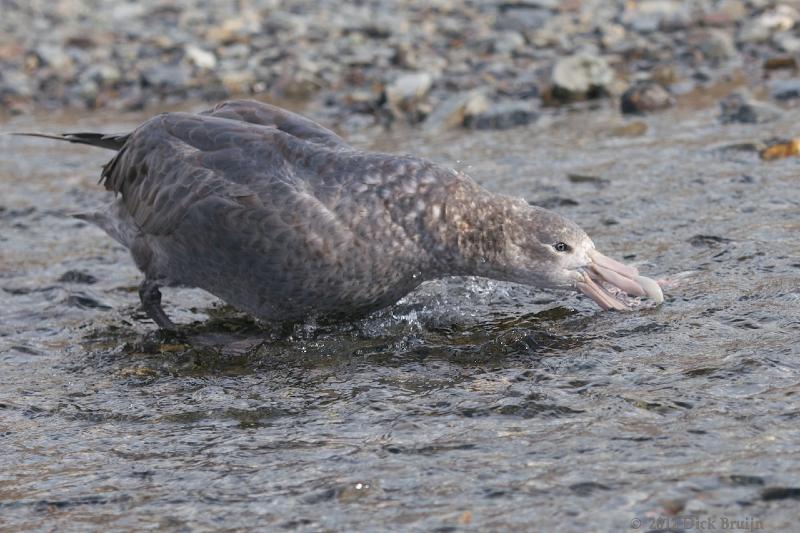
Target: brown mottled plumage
280 217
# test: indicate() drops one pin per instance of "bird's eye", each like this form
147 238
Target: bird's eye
561 247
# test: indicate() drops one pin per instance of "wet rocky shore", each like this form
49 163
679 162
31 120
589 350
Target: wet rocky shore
440 64
470 405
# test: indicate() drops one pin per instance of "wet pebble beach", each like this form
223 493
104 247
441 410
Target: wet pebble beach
485 64
668 130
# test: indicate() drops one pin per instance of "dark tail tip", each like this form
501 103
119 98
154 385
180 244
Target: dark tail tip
101 140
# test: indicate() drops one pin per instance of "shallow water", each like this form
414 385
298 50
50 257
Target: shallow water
469 405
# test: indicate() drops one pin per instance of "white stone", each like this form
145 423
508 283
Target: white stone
201 58
579 73
408 87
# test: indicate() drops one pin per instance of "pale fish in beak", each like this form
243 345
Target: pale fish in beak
623 277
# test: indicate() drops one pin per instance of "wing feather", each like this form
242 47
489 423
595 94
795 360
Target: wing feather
268 115
175 162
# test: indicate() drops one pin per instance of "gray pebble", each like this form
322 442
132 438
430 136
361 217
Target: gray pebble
645 97
740 107
504 115
785 89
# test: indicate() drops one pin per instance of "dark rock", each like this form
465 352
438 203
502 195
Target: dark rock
320 496
709 241
702 75
780 493
84 301
17 291
529 4
553 202
645 97
785 89
747 146
10 214
504 115
588 178
742 480
76 276
587 488
739 107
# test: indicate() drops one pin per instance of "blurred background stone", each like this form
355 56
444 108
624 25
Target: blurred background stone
645 97
388 63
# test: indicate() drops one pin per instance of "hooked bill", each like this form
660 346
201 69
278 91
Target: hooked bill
604 270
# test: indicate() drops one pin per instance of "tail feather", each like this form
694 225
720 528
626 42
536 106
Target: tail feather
115 221
101 140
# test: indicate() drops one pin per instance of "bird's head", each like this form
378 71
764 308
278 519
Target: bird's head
544 249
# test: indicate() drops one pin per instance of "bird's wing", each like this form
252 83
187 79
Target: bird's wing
269 115
178 166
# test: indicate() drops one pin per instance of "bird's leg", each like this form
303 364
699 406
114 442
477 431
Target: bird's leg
151 303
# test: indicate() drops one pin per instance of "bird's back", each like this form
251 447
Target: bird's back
272 212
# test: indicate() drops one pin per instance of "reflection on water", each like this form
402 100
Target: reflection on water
471 403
